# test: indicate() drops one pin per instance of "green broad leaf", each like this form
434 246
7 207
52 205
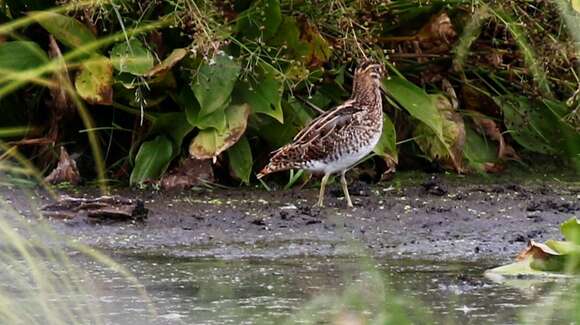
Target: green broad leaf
173 125
187 101
210 143
240 157
65 29
540 126
477 150
94 82
303 42
262 19
517 269
387 146
214 82
576 5
216 120
524 122
571 230
278 134
563 247
265 94
18 56
132 57
152 159
416 102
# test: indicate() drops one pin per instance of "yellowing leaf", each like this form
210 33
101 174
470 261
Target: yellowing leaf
210 143
94 81
576 5
447 147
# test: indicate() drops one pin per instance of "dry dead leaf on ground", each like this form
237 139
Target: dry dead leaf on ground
489 128
104 208
65 171
190 172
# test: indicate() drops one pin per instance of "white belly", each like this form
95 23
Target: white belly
346 161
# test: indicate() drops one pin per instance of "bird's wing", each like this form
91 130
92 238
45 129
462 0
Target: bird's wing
324 124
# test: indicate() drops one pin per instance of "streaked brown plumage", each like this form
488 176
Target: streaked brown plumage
337 139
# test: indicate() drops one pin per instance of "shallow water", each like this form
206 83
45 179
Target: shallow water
209 291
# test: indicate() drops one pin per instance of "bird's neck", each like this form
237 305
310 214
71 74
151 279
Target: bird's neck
368 94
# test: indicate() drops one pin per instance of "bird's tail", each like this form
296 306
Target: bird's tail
279 161
270 168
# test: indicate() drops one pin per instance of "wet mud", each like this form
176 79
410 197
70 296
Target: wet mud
423 217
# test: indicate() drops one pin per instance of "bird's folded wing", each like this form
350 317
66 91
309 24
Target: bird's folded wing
326 123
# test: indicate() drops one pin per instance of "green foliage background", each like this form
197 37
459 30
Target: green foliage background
143 84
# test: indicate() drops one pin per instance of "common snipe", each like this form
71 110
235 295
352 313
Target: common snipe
337 139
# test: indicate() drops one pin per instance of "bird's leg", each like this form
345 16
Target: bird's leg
345 189
320 202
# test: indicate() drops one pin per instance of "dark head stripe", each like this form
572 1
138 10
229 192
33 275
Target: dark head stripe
368 64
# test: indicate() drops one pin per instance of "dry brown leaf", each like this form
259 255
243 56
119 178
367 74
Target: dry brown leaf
455 130
437 34
489 128
169 62
190 172
537 251
104 208
65 171
435 37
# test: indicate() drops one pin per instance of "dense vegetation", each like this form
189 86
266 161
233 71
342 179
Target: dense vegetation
133 89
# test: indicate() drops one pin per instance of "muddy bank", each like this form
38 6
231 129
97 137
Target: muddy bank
413 216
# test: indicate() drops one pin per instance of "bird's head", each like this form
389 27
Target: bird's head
369 72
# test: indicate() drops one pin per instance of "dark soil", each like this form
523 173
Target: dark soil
424 217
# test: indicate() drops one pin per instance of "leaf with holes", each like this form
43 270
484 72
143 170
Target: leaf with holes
209 143
240 156
265 94
132 57
94 82
65 29
152 159
214 83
